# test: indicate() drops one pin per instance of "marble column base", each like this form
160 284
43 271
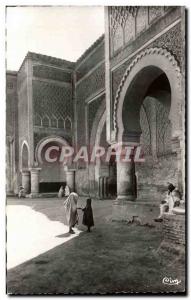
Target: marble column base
26 180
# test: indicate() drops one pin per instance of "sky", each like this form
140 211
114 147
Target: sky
63 32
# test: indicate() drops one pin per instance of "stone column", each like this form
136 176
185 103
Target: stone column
125 206
125 181
70 179
35 173
26 180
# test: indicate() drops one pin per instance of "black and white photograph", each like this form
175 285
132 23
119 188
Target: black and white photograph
96 150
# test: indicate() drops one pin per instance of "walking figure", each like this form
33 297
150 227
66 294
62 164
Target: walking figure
70 205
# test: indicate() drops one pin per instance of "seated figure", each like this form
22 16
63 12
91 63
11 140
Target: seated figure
21 192
172 199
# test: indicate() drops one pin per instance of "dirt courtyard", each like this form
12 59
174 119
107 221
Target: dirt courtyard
113 258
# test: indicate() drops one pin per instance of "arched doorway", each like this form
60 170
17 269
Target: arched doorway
53 167
152 81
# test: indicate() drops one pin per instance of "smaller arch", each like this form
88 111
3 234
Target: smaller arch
42 143
25 158
68 123
46 121
60 122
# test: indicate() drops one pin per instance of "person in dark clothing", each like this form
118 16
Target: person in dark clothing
88 219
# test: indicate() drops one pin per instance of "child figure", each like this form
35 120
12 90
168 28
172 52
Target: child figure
88 219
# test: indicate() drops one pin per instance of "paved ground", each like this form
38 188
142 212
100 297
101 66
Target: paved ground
113 258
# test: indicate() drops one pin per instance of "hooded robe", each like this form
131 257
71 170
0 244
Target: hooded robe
70 206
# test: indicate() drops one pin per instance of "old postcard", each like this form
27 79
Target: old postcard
95 150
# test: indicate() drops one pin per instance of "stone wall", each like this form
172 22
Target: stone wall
11 133
25 124
89 90
173 245
91 57
92 83
11 103
146 29
174 229
153 177
53 110
82 182
160 166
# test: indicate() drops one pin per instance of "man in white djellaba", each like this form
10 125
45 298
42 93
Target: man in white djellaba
172 199
70 206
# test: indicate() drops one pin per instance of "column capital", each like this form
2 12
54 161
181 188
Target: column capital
35 170
26 172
